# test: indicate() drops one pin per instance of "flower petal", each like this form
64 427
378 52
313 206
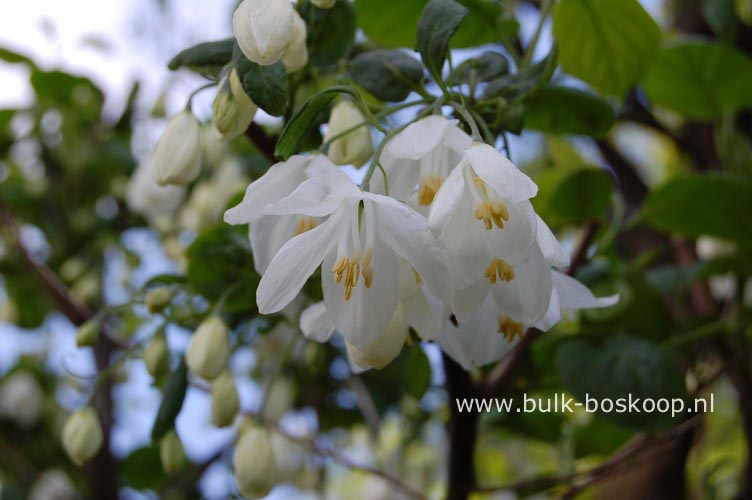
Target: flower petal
268 234
447 199
500 173
425 313
468 300
381 352
315 324
574 295
513 242
526 298
293 264
553 252
316 197
420 137
553 315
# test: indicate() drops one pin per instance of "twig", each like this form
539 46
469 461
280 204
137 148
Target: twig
263 142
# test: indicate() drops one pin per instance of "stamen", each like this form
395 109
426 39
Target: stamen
492 213
510 328
499 268
305 224
427 190
367 271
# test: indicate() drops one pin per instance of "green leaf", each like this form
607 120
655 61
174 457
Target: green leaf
389 75
582 195
14 57
620 368
703 204
487 66
515 86
437 24
564 110
172 402
700 80
298 128
142 469
267 86
720 16
331 32
417 370
205 58
607 43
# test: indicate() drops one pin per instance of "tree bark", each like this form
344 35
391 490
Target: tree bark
462 429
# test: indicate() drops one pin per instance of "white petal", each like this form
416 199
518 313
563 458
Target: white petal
553 252
450 340
381 352
268 234
263 29
316 197
514 241
553 315
315 324
407 233
468 300
526 298
481 335
574 295
420 137
279 181
500 173
293 264
447 199
361 320
295 56
402 176
424 313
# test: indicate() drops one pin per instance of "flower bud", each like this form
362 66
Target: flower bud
52 484
288 456
177 157
82 435
324 4
21 399
263 29
87 334
279 400
385 349
158 299
225 403
171 452
233 109
296 53
157 355
209 349
355 147
254 463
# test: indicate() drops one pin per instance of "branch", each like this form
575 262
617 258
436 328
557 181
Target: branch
263 142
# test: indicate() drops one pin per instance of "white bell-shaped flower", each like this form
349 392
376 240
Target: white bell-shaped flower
177 156
263 29
269 232
295 56
233 110
359 245
418 159
354 146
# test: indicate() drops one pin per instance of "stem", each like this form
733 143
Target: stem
528 56
189 103
463 429
469 120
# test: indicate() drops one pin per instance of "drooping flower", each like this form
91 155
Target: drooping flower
269 232
355 146
418 159
177 156
263 29
232 109
359 244
295 56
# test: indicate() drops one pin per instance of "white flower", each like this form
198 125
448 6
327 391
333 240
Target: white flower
324 4
360 245
295 56
263 29
82 435
233 110
380 353
354 147
209 349
177 157
269 232
144 196
254 463
418 159
21 399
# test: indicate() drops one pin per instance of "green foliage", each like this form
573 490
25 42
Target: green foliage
525 82
142 469
700 80
607 43
438 22
172 401
331 32
485 67
703 204
564 110
581 196
417 372
267 86
622 366
205 58
389 75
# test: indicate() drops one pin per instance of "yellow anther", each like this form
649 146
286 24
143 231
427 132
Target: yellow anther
428 189
493 212
305 224
367 272
499 268
350 269
510 328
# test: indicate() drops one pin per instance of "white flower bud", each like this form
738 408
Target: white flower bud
254 463
87 334
263 29
144 196
21 399
82 435
288 456
225 404
171 452
209 349
157 355
53 484
279 400
383 351
233 109
324 4
355 147
296 53
177 157
158 299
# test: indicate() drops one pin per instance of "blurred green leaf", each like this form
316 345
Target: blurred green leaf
485 67
514 86
581 196
331 32
564 110
721 17
205 58
417 371
142 469
14 57
607 43
172 401
389 75
700 80
438 22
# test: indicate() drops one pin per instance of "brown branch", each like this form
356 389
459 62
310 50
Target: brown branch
630 184
263 142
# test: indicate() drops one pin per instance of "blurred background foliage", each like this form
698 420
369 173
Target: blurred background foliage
641 144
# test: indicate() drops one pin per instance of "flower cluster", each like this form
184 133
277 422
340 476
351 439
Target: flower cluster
452 249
